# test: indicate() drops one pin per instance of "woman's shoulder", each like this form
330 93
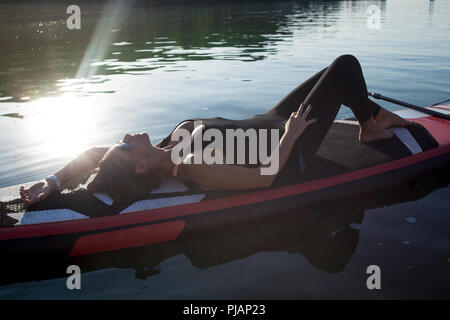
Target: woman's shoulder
192 126
186 124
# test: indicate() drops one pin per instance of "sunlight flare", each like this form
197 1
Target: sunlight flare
63 126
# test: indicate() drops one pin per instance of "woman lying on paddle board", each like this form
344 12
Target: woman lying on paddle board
133 166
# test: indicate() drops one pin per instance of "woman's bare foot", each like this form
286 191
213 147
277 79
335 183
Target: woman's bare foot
371 130
389 119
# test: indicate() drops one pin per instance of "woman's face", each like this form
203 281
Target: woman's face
135 147
122 166
141 140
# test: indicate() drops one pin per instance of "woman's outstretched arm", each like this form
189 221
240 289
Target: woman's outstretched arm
85 162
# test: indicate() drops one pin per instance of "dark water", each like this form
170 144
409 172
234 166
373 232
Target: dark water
148 69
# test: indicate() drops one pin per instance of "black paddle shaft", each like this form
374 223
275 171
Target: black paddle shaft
411 106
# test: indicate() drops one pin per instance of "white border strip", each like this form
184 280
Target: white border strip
406 137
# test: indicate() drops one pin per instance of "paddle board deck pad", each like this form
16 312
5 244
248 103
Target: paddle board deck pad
76 223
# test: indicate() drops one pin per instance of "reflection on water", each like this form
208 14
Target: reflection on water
135 42
325 236
148 69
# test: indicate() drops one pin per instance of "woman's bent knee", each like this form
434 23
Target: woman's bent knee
346 59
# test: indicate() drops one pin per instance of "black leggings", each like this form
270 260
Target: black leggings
341 83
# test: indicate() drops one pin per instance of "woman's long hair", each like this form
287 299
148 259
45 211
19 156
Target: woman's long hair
116 175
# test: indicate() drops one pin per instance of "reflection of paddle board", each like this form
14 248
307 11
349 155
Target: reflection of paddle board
77 223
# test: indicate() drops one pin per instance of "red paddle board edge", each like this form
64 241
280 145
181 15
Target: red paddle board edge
127 238
179 211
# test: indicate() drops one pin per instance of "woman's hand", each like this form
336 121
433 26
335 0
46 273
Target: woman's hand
35 193
297 122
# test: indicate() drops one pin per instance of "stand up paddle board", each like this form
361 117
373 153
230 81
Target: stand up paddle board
75 223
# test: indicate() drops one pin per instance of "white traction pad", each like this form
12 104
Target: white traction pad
44 216
406 137
168 185
163 202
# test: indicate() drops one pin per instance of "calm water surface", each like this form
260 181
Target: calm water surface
148 69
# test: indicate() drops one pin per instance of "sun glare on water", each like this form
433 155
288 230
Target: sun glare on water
64 126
